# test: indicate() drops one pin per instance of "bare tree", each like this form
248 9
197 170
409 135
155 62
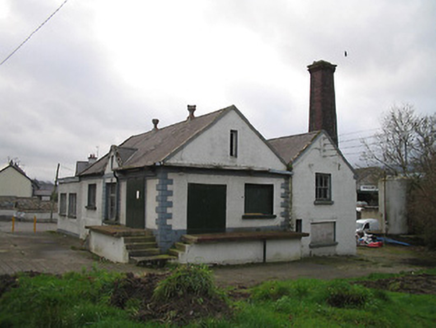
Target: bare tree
421 205
406 142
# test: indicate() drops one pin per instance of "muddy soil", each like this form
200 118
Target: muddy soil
411 284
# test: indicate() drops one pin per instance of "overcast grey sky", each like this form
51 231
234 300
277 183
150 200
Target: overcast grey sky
100 70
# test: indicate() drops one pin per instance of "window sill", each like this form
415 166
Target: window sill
333 243
323 202
72 217
259 216
89 207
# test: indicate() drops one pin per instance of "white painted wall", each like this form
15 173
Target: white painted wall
122 201
72 226
242 252
396 204
213 147
235 198
12 183
90 217
151 204
108 247
321 157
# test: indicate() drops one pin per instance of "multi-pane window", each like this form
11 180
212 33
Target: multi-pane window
63 204
259 199
72 205
323 187
92 193
234 143
111 198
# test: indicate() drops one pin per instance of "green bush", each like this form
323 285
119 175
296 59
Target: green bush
186 279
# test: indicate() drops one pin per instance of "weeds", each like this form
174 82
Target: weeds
341 294
186 279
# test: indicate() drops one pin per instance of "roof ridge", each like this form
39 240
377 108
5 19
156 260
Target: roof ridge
177 123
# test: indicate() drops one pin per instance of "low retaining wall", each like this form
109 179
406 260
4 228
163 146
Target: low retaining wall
243 252
242 247
109 247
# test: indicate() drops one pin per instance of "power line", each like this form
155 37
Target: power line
31 34
355 139
354 132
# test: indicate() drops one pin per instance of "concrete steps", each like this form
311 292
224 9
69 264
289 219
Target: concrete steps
178 249
143 250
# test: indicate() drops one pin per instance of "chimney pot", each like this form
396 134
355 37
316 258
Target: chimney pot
191 110
92 159
155 123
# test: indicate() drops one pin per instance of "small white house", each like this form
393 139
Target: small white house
209 174
14 182
323 191
214 176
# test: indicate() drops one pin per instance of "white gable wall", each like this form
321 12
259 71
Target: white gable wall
212 147
322 157
13 183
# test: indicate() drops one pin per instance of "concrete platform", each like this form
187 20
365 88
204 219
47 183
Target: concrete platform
48 251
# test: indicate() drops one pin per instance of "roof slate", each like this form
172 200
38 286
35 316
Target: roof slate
155 146
289 148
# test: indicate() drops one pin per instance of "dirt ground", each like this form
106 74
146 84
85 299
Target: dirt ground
387 259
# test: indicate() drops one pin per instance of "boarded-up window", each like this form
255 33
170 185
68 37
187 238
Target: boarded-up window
259 199
323 233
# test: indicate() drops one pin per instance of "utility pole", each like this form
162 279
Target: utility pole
53 194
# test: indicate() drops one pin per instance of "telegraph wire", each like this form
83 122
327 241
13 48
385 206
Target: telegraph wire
354 132
31 34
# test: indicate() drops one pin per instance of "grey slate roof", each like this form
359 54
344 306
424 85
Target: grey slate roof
155 146
289 148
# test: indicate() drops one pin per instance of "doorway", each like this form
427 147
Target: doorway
206 208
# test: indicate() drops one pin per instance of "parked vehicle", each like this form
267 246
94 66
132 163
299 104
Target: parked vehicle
367 225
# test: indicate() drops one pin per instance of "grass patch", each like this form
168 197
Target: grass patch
188 297
72 300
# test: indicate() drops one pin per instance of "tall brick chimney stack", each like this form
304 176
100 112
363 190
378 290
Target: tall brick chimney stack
322 108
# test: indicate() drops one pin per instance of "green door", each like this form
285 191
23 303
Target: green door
206 208
135 203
